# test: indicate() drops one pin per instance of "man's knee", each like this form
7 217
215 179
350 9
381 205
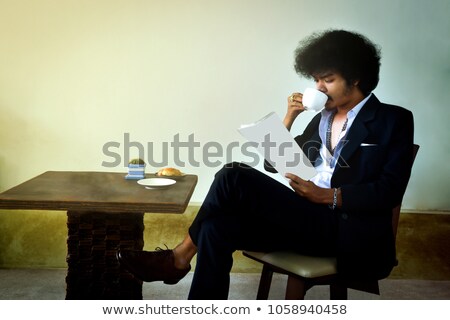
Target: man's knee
233 168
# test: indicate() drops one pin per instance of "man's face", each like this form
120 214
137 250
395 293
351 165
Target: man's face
340 93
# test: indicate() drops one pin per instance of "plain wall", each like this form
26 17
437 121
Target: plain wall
77 74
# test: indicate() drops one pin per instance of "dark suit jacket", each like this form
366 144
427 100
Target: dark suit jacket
373 171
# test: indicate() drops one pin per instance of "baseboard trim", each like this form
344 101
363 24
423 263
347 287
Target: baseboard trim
415 211
195 204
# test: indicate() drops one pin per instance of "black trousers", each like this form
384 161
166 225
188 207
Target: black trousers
247 210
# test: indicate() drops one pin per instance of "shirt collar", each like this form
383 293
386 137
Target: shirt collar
353 112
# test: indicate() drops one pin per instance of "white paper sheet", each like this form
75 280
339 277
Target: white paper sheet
276 145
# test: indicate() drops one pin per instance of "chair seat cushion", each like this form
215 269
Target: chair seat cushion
304 266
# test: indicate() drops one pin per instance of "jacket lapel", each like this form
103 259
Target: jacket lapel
310 142
358 131
312 147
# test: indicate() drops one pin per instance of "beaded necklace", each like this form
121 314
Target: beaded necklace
328 137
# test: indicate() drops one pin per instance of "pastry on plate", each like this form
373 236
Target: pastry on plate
169 172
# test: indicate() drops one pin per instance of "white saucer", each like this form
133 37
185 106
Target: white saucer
156 183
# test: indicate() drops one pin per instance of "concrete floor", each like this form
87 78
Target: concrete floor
49 284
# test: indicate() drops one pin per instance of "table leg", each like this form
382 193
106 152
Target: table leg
92 242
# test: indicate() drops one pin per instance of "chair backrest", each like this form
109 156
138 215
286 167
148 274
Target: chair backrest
396 210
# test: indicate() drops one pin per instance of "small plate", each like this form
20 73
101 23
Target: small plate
156 183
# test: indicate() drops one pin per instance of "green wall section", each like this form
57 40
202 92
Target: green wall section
32 239
37 239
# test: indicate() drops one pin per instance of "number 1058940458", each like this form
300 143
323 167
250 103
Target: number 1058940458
307 309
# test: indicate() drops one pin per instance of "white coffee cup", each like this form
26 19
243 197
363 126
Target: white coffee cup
314 99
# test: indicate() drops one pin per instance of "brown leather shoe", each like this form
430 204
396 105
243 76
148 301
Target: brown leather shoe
152 265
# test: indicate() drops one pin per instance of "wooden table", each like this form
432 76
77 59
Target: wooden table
105 212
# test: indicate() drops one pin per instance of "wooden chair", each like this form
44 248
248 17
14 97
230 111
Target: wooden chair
304 272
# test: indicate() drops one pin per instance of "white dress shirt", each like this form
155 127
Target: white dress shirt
326 162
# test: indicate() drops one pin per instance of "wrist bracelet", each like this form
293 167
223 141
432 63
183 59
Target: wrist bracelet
334 205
